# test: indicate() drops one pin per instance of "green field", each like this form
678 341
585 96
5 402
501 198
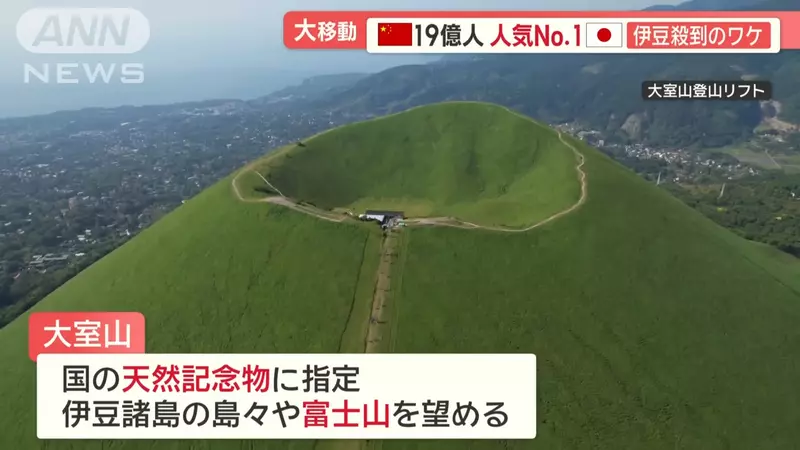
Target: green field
653 327
789 163
215 276
475 161
757 157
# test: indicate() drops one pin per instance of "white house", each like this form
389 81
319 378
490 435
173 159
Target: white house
380 216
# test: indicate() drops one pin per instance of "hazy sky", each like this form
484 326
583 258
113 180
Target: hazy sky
202 49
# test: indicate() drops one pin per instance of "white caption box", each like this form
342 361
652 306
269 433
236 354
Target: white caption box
485 380
548 35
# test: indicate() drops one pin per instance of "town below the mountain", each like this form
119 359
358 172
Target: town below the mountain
76 185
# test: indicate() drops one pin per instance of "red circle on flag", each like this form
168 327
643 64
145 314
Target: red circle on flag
603 35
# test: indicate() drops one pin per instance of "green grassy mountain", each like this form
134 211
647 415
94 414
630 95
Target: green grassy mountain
654 328
602 91
431 162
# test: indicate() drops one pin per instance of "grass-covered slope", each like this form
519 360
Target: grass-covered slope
475 161
215 276
653 327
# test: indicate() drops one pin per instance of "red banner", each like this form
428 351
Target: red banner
85 332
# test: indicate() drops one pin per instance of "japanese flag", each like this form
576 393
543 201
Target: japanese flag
605 35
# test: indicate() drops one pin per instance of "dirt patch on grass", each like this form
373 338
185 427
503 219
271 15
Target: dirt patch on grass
382 294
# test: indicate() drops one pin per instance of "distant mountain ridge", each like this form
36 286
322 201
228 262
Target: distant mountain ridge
704 5
312 87
602 91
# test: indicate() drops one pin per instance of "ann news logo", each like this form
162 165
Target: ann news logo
83 31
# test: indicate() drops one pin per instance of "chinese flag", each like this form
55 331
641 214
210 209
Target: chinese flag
395 34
